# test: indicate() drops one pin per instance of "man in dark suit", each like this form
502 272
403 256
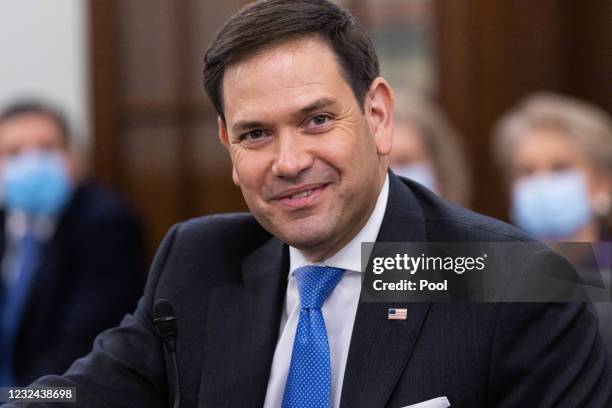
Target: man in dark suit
268 304
72 253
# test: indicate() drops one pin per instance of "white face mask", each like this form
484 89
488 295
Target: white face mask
551 206
36 182
421 173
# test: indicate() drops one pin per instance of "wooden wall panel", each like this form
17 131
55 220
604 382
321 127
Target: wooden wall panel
104 91
150 158
589 50
146 46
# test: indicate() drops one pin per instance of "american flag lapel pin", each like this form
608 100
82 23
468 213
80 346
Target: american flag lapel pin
397 314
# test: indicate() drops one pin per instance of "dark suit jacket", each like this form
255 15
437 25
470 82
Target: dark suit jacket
226 277
91 274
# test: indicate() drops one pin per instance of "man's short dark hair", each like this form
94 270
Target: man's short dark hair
266 23
32 107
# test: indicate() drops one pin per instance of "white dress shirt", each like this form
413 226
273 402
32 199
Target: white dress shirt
16 225
339 309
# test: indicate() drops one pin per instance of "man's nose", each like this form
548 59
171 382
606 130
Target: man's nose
292 156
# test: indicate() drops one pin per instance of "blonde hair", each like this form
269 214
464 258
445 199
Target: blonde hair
586 124
442 144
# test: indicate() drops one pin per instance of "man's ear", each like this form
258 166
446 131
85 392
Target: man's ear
224 138
223 135
379 114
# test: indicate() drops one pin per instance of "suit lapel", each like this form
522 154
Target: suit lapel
380 348
242 330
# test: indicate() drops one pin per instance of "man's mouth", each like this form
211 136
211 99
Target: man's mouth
300 197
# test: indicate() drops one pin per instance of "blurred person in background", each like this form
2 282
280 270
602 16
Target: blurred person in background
556 155
72 253
427 149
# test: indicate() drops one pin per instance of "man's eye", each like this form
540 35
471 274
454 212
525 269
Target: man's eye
318 120
252 135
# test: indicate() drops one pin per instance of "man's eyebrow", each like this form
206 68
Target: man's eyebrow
242 125
316 105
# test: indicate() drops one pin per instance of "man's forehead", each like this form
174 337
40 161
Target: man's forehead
301 60
27 126
30 118
299 73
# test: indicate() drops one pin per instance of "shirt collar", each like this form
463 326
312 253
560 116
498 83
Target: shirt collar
349 257
18 223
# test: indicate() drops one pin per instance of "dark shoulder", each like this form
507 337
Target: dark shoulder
209 250
450 222
94 202
237 233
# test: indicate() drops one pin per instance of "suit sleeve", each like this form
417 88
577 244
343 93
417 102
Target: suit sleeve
126 366
548 355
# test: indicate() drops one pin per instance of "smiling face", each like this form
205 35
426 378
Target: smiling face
309 161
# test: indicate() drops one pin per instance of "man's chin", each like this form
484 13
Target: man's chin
302 242
306 240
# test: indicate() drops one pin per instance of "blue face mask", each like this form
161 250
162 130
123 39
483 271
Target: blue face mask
36 182
421 173
552 206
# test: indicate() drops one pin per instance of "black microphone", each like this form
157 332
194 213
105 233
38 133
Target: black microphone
165 324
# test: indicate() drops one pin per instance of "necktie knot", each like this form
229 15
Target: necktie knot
315 283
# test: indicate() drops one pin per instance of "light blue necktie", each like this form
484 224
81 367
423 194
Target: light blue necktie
309 380
12 301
